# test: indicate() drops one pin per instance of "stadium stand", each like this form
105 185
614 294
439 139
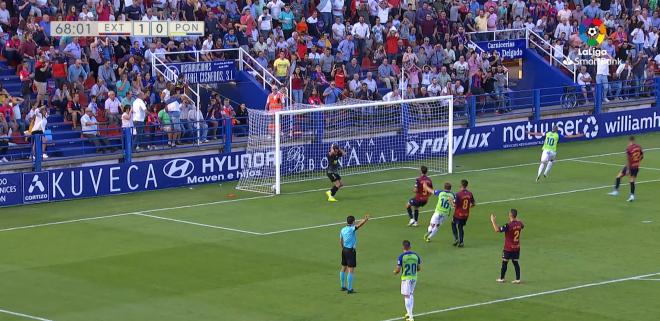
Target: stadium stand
417 48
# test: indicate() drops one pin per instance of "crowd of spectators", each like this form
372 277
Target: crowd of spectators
328 50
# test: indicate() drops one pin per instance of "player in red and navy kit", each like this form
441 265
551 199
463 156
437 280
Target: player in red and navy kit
421 196
511 251
635 155
464 202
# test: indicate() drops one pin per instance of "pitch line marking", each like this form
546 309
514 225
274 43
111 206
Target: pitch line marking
486 202
300 192
64 222
128 213
647 279
197 224
611 164
27 316
532 295
466 171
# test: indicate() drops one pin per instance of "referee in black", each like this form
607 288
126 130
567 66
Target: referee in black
347 241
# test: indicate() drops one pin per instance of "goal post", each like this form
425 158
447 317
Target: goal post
291 145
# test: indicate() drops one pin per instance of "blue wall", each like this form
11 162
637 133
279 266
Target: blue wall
246 89
538 73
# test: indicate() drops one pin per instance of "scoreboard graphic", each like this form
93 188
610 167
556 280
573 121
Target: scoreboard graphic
127 28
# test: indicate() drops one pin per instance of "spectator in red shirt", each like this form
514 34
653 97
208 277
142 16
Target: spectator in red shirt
11 50
339 74
28 51
314 98
103 11
297 84
391 44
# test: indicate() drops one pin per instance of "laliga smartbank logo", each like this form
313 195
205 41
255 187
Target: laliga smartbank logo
592 32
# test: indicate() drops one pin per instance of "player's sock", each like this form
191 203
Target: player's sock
342 278
410 213
503 270
617 183
416 215
547 168
517 267
454 230
460 234
408 302
334 190
349 281
540 170
434 229
412 305
632 188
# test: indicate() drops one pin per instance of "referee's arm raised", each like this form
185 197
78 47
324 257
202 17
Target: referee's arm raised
364 221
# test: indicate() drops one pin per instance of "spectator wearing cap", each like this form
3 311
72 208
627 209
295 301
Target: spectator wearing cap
332 94
91 132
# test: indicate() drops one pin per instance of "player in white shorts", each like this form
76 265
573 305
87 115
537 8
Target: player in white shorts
549 154
408 264
442 210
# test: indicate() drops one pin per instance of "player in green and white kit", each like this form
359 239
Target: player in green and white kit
442 209
408 264
549 154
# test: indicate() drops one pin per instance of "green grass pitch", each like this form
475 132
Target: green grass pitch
203 254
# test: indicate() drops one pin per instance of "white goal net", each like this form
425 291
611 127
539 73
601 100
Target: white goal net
376 136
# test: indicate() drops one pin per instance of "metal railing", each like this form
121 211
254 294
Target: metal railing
544 46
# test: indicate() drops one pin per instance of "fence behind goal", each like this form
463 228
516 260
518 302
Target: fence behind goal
376 136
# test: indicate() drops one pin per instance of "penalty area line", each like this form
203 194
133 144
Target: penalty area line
197 224
23 315
482 203
611 164
532 295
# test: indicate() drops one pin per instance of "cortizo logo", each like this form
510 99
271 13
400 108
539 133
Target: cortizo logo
590 128
36 183
178 168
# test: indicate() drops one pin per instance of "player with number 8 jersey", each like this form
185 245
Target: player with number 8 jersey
464 202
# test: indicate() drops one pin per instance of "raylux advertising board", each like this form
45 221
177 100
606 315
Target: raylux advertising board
204 72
